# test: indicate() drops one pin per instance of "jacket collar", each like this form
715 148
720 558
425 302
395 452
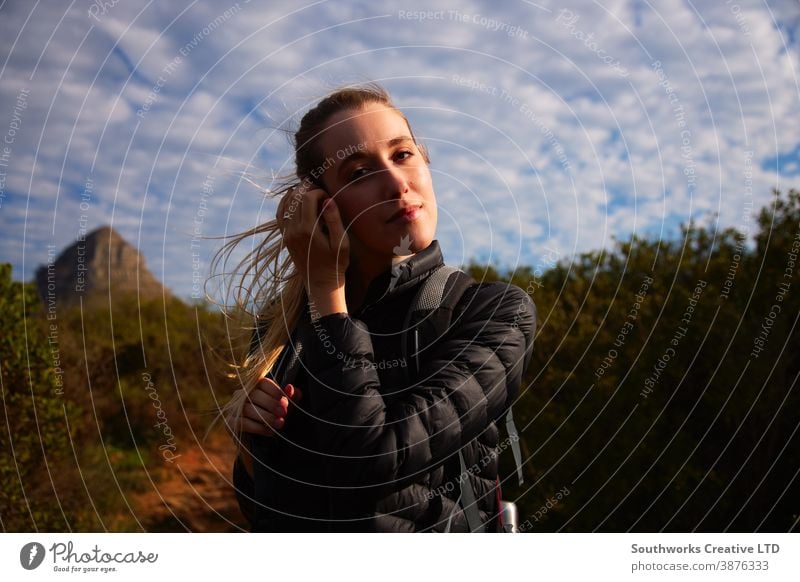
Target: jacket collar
404 274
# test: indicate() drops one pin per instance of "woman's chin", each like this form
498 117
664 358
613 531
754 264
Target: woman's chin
392 244
421 238
410 243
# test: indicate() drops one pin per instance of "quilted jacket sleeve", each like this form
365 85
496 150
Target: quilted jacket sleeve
469 379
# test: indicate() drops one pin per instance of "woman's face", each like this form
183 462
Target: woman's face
381 184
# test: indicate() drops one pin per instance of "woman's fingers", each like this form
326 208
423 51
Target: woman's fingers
294 392
259 421
288 213
316 239
266 407
312 198
269 396
333 221
299 221
261 428
258 414
279 213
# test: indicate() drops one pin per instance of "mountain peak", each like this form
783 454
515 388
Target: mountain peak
100 262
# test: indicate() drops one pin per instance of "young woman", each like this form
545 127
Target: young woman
335 433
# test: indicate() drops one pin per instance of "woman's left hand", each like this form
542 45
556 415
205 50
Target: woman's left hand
318 244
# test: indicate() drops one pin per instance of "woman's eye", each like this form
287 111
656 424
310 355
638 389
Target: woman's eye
356 174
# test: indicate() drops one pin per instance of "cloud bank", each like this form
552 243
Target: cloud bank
551 126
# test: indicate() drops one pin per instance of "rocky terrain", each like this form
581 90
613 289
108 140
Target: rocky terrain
101 263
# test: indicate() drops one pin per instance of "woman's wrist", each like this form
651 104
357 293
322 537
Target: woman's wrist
326 303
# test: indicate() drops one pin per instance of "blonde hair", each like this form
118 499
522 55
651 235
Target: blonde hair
266 280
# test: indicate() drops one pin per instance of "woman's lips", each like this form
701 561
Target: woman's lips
407 215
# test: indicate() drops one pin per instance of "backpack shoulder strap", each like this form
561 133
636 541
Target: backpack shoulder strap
431 311
430 315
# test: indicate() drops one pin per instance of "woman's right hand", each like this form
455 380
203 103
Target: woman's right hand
266 407
318 244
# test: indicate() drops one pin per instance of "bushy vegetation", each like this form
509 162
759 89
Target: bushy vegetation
662 393
96 400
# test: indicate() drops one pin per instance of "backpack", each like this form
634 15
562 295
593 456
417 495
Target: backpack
430 315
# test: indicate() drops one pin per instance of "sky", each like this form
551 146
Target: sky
554 128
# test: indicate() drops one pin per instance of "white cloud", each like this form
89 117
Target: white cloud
731 73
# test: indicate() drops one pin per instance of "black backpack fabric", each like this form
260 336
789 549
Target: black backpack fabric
429 318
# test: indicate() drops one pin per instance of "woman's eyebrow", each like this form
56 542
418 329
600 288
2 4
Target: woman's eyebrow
360 154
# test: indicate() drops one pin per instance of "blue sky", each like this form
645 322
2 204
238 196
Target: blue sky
551 125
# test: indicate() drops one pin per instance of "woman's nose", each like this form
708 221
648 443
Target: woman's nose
395 181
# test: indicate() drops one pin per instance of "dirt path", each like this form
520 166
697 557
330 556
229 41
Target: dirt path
195 492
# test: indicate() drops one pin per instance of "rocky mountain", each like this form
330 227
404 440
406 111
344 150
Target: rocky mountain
101 263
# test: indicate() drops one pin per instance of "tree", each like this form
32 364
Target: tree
35 438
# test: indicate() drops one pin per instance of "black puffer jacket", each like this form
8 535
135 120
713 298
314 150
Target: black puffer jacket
364 450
